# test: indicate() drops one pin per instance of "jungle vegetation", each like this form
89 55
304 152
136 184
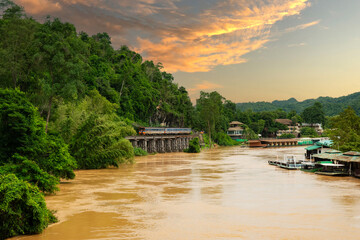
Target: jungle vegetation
331 106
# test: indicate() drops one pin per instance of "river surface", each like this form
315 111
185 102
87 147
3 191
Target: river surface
224 193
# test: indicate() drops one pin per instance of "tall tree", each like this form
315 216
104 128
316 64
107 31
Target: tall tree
60 61
314 114
344 130
210 107
16 47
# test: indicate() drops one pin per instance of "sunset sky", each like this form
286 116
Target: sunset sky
247 50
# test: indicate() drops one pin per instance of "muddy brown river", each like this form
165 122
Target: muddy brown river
224 193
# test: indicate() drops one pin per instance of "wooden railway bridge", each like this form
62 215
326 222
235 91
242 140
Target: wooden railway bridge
161 143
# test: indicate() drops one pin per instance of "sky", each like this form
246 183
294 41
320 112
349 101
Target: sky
247 50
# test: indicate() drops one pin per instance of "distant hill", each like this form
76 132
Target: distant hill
332 106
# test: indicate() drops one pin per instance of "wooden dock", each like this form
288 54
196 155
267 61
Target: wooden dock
273 142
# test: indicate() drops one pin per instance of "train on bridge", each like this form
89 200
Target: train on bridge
163 131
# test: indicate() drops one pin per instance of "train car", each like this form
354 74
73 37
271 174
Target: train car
163 131
178 130
151 131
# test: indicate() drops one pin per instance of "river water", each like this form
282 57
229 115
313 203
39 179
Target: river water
224 193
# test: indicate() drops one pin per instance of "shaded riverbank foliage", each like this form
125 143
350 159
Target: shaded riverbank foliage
94 132
25 149
22 208
139 152
223 139
194 146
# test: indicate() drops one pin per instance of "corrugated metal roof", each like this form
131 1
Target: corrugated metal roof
333 151
325 156
341 157
312 147
344 158
352 153
325 143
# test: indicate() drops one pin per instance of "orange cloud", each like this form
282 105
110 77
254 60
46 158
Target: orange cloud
302 26
219 36
205 85
39 6
194 38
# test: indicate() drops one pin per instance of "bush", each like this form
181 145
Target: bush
25 148
249 133
287 135
194 146
223 139
206 140
308 132
22 208
139 152
94 132
100 143
29 171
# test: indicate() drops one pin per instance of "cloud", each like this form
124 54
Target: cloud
39 6
302 26
184 36
297 44
205 85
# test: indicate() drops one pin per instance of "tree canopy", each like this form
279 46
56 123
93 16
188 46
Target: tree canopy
344 130
314 114
25 148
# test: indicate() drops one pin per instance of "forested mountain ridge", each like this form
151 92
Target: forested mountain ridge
331 106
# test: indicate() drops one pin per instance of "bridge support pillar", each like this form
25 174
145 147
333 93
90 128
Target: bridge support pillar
145 145
152 146
179 143
168 145
160 146
135 143
174 145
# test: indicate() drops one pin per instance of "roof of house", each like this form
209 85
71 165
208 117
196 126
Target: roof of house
236 123
345 157
352 153
333 151
235 129
325 156
325 143
313 147
284 121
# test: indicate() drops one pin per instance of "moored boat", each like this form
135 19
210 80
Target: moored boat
308 166
332 169
274 163
290 163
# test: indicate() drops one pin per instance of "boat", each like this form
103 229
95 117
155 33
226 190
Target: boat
290 163
332 169
308 166
274 163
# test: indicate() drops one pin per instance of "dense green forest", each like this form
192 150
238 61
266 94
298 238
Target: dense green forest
332 106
